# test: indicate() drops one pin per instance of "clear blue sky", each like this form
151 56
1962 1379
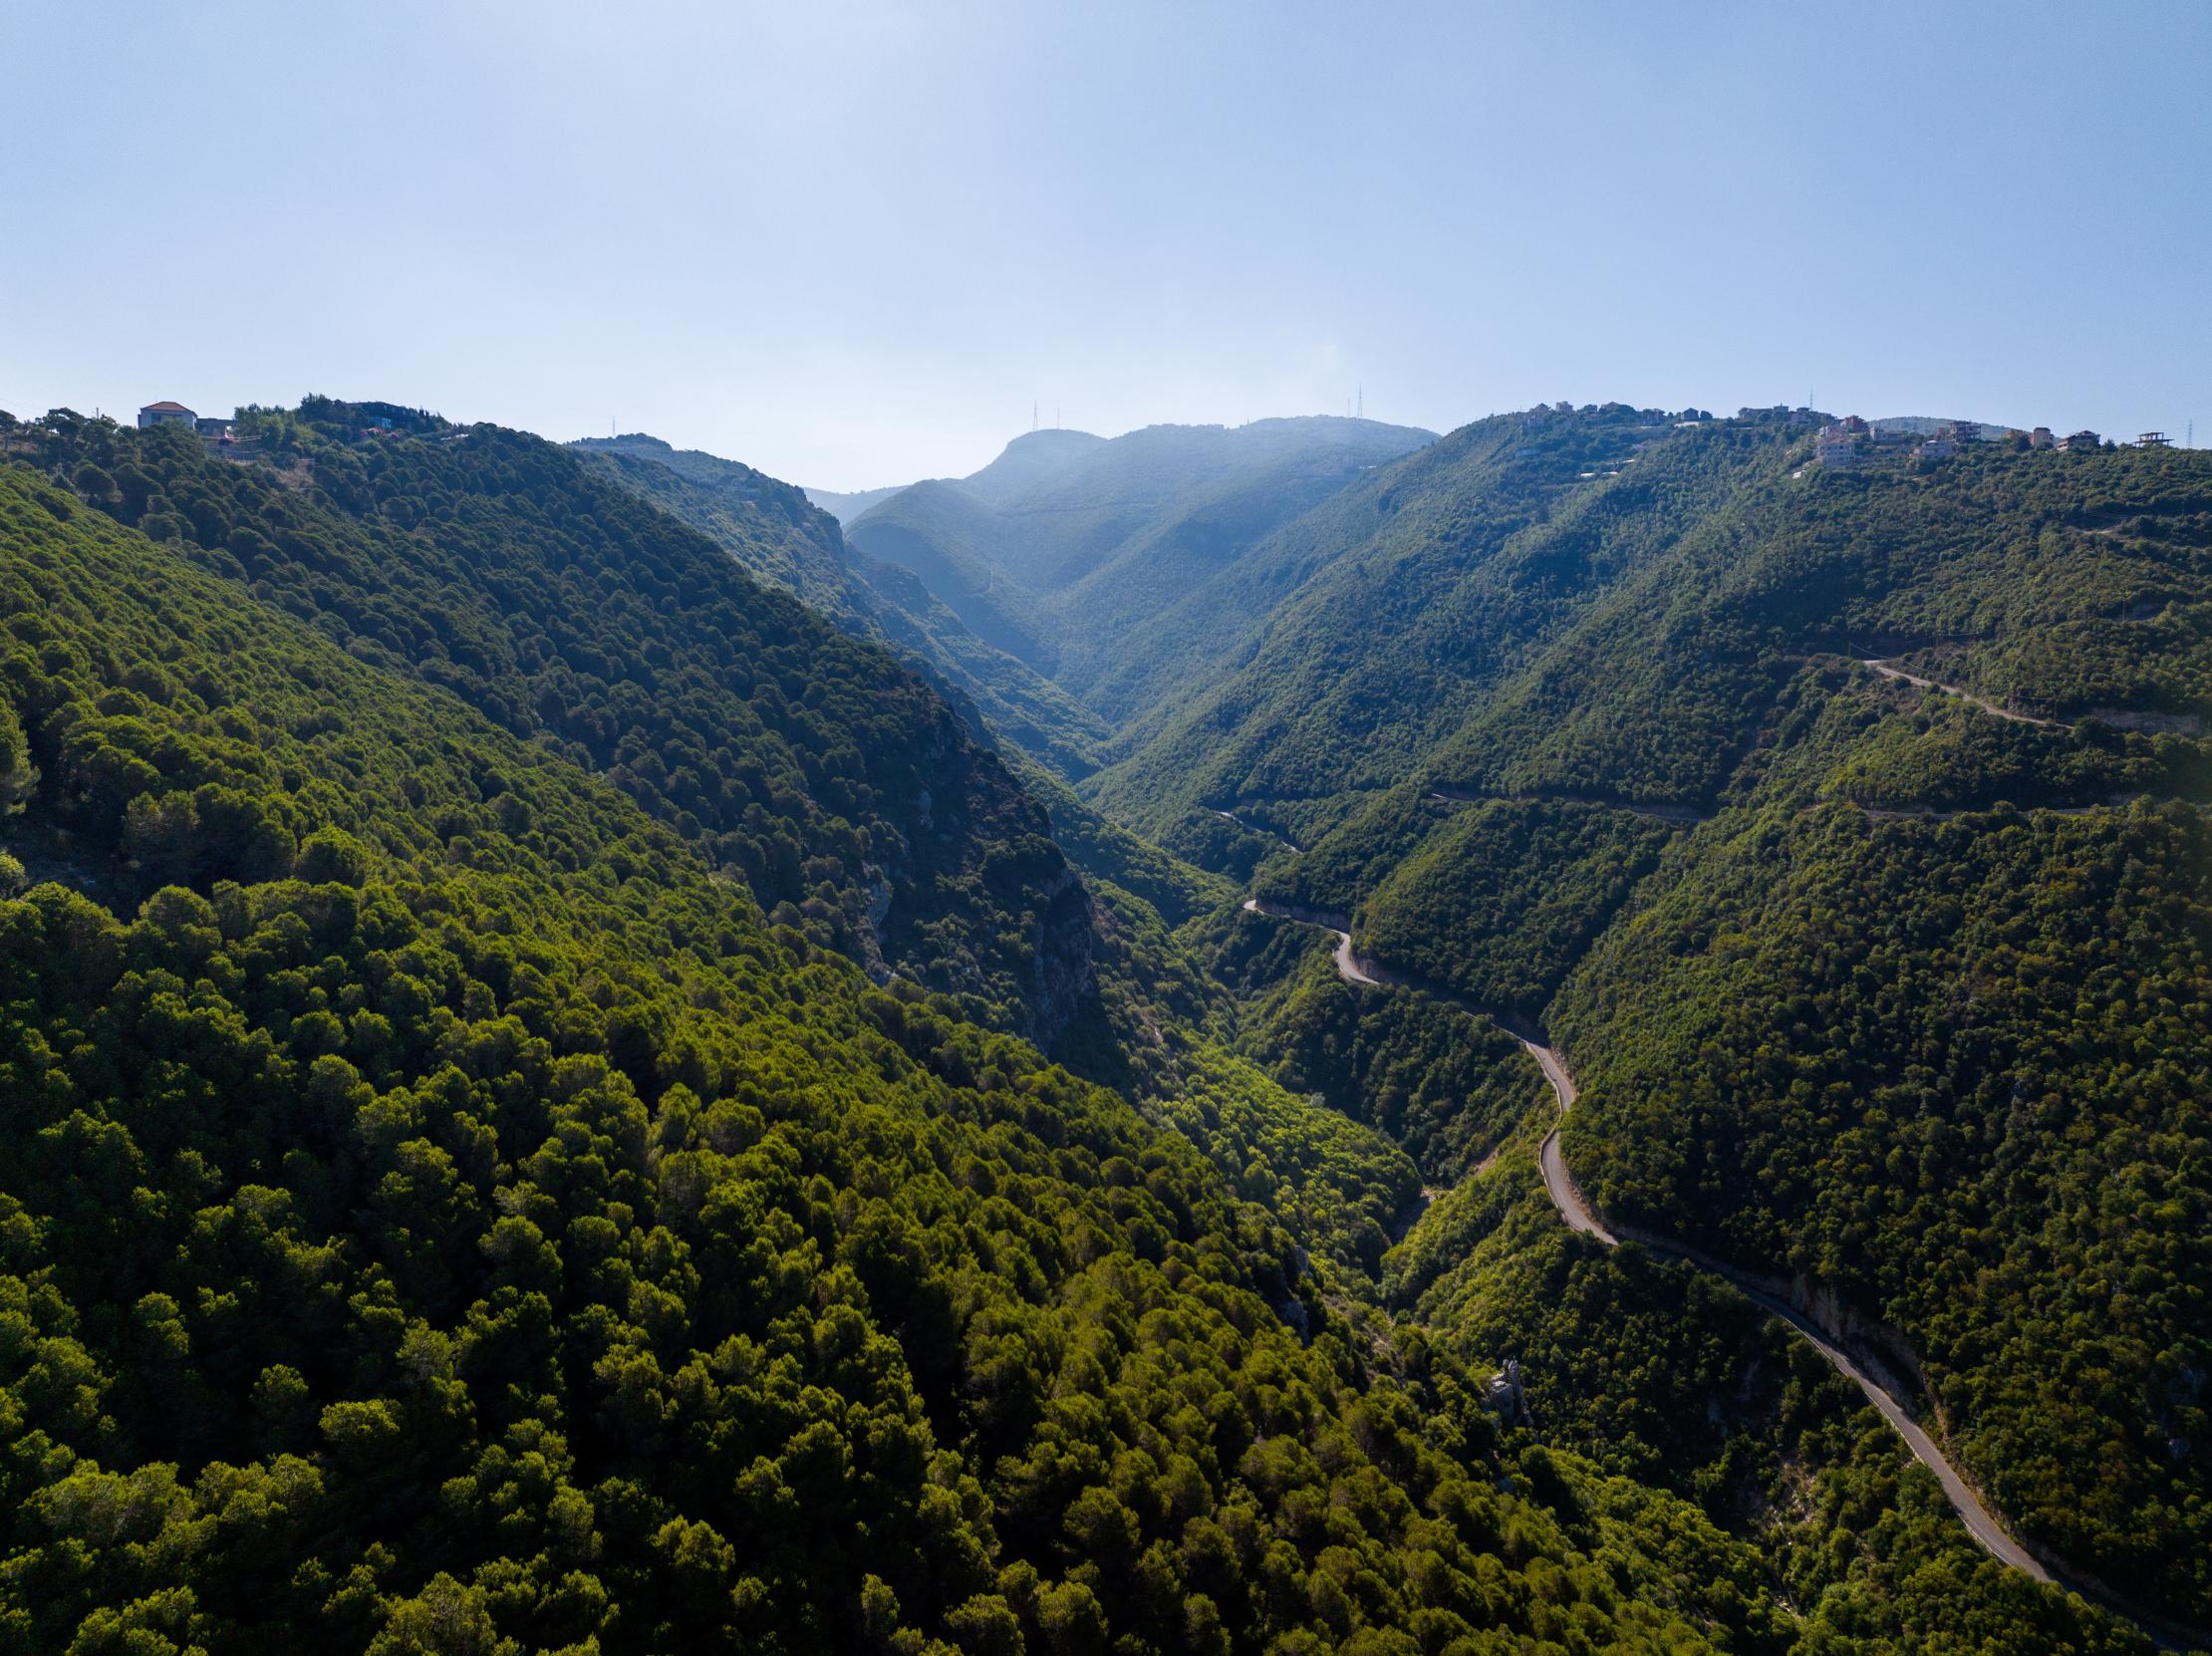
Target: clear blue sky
850 245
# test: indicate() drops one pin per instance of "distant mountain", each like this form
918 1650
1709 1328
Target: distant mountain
775 532
846 507
1066 541
1034 460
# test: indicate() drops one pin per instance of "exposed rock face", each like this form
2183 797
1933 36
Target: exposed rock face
1504 1396
1063 972
976 843
2149 724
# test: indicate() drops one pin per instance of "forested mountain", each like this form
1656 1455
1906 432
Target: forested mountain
772 529
1847 831
837 785
767 527
1066 542
530 1041
1327 659
443 1212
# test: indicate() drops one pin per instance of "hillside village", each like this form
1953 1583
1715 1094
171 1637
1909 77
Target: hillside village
1850 442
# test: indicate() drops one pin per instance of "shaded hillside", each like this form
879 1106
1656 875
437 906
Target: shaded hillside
844 791
761 524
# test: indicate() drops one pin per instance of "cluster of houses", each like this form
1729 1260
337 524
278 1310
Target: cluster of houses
176 413
1852 441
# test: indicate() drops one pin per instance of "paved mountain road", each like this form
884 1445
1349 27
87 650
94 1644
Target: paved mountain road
1580 1216
1258 828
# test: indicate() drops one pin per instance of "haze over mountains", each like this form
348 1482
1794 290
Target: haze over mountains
1060 546
846 507
604 1058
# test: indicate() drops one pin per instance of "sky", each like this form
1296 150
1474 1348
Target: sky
854 245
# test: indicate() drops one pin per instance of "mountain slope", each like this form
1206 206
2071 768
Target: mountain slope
770 528
761 524
841 788
1331 655
1131 521
451 1216
1952 1072
1884 977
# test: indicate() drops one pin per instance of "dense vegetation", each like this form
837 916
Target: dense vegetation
1349 646
1445 1084
836 784
1664 687
1501 900
1881 1021
448 1216
1957 1071
522 1136
769 529
1663 1373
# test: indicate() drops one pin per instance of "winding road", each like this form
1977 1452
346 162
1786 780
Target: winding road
1875 663
1256 828
1574 1207
1567 1196
1681 815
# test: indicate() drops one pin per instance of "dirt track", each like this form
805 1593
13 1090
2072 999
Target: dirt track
1888 672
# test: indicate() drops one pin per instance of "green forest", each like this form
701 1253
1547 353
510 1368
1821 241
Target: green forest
596 1065
479 1227
1868 987
508 571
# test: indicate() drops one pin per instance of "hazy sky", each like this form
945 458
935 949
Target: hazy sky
850 245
